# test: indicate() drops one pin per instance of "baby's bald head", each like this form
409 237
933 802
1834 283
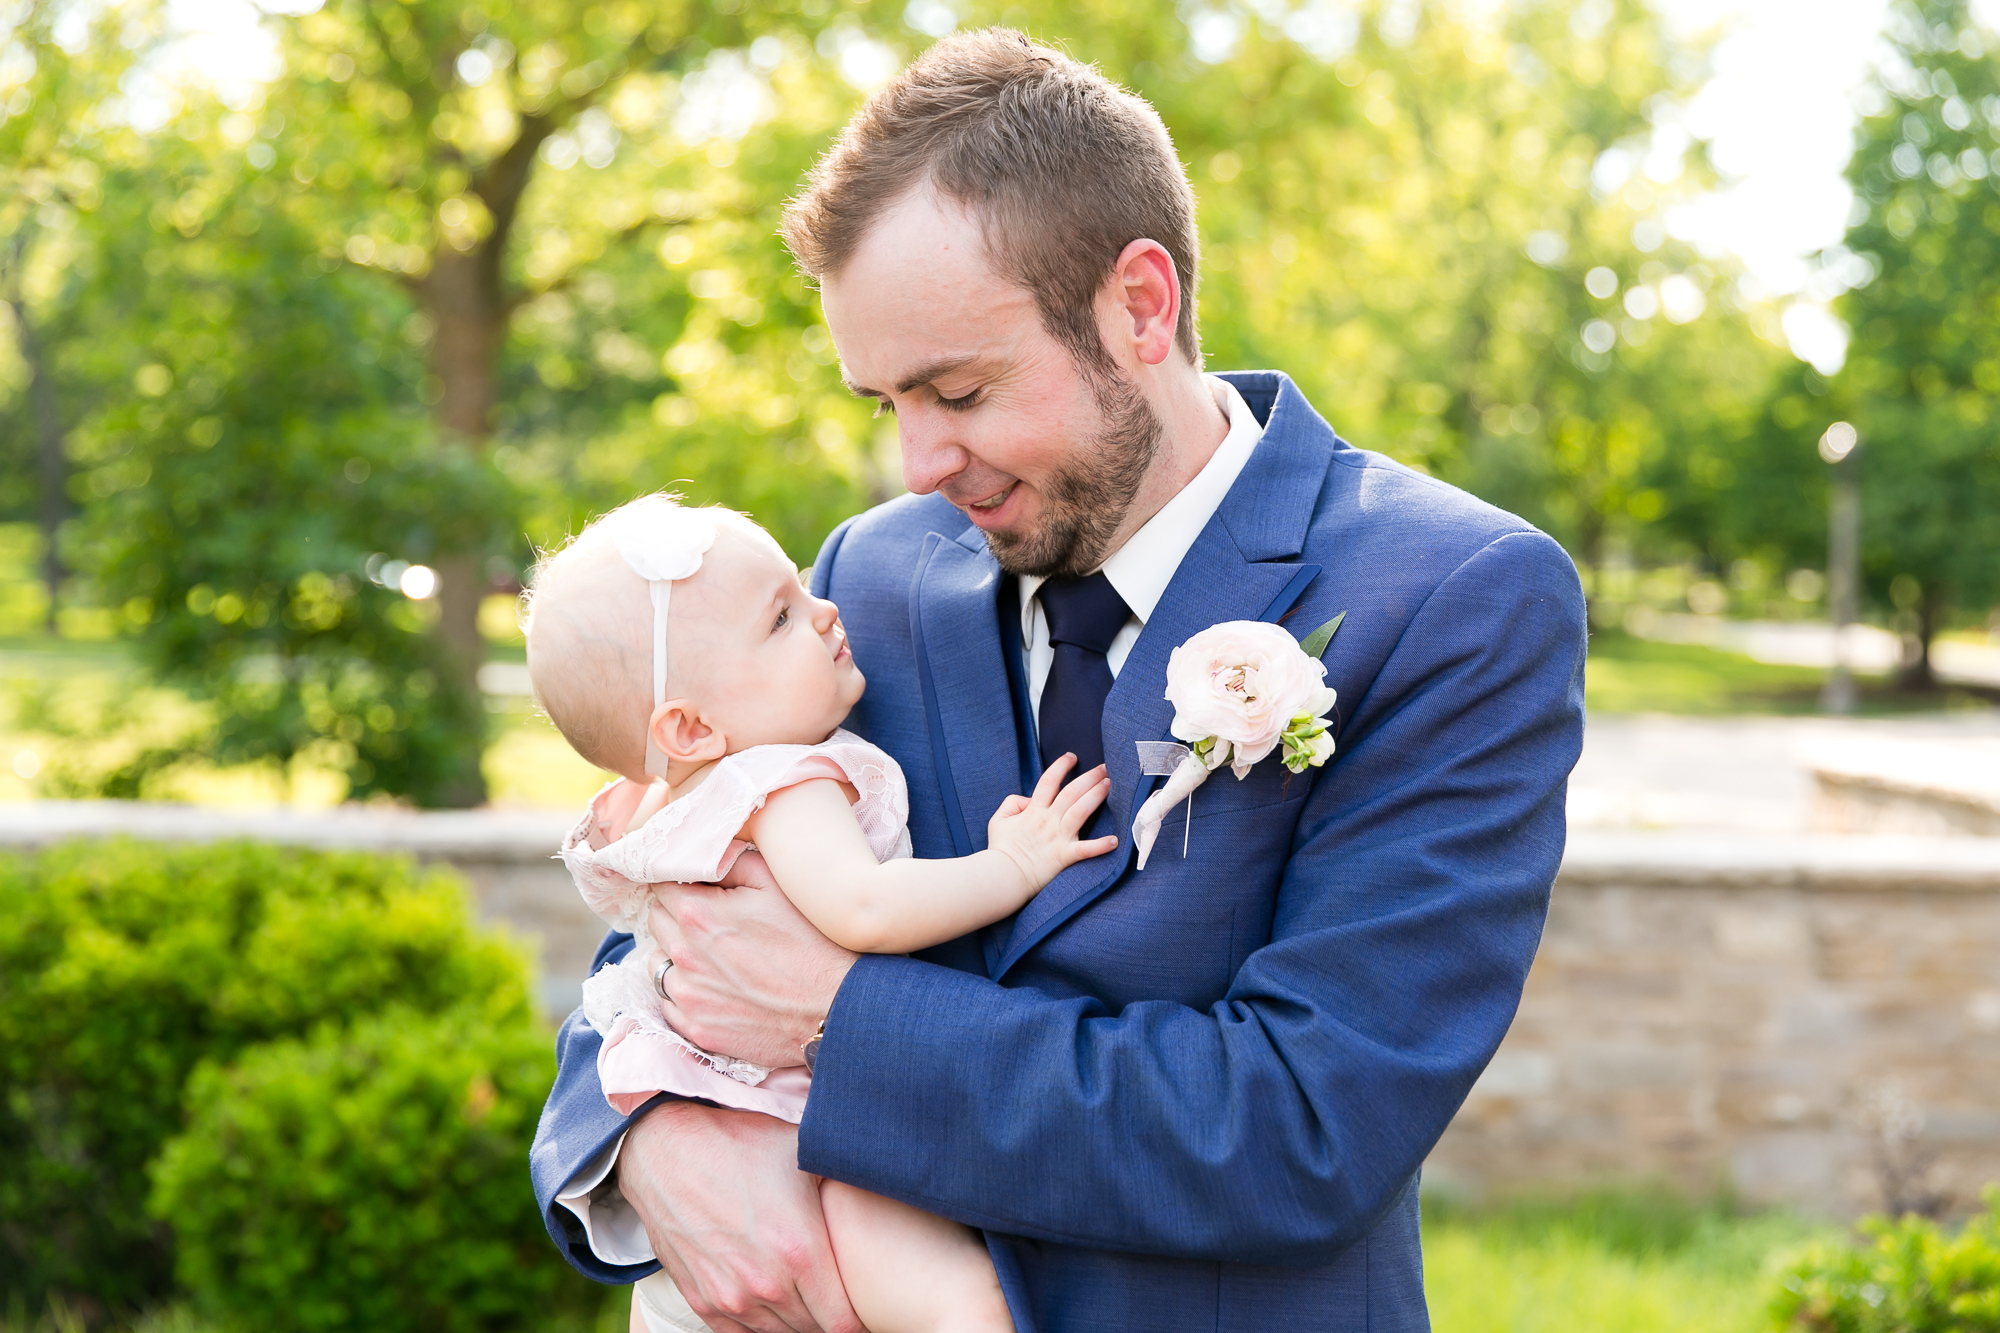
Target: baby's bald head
590 646
753 657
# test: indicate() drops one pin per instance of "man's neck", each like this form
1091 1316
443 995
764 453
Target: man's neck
1192 427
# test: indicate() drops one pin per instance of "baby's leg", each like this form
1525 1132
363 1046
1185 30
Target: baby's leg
907 1271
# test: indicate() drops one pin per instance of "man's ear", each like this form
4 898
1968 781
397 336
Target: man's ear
1145 295
682 736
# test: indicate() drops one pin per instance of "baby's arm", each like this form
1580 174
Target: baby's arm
821 859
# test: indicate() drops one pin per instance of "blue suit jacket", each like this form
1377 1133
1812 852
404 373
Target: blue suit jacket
1198 1096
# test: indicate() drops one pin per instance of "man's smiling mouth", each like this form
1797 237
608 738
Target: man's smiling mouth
995 500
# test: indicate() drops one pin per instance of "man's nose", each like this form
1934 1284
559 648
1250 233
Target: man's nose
930 458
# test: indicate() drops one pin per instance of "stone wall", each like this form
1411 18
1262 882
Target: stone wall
1706 1010
1764 1014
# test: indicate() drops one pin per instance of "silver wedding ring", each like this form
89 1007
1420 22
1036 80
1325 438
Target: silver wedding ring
660 977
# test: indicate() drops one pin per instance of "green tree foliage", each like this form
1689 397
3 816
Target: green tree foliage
1410 228
697 358
267 432
511 263
56 139
125 965
1751 487
373 1178
1920 380
234 501
421 132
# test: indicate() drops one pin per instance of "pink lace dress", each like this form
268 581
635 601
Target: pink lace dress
694 840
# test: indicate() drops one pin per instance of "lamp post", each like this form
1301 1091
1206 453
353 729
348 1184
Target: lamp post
1839 447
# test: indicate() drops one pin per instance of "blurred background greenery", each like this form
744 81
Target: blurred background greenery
297 372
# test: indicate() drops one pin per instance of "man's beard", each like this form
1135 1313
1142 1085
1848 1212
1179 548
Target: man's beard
1083 504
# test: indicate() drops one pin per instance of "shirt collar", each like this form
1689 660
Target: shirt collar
1142 568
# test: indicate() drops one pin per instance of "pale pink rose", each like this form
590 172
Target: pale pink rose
1243 682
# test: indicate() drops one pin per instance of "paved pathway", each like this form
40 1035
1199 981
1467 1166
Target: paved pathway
1754 774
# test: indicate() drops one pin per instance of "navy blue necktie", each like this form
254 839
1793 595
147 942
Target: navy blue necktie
1084 616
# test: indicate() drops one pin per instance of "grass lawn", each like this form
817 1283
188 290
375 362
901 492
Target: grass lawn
1605 1264
51 685
529 763
1632 675
1610 1263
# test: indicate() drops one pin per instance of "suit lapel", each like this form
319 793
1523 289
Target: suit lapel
1236 570
967 703
1214 584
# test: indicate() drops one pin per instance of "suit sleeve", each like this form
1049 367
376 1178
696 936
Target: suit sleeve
1278 1126
577 1125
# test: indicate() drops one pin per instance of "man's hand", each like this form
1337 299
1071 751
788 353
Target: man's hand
734 1221
751 977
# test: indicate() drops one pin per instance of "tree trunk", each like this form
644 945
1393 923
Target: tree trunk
54 466
1591 539
465 294
1917 674
462 295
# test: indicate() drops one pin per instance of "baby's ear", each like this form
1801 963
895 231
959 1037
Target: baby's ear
683 737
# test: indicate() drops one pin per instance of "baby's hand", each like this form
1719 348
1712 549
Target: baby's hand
1038 832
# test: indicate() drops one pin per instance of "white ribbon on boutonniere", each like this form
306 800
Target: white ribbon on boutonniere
1240 690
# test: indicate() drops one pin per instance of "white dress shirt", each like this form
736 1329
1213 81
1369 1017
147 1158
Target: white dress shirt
610 1223
1140 570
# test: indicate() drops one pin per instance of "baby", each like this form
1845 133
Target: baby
677 646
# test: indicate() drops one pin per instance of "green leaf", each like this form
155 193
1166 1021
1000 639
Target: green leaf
1315 643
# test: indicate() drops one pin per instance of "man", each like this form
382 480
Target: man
1193 1096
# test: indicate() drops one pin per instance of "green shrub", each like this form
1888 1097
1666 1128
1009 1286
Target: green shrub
1913 1276
371 1178
123 965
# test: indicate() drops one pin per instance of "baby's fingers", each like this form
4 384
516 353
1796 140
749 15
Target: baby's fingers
1083 851
1052 776
1011 807
1077 786
1083 804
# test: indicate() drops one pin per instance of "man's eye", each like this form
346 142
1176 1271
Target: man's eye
884 405
963 403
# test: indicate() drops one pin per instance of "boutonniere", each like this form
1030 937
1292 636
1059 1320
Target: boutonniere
1240 690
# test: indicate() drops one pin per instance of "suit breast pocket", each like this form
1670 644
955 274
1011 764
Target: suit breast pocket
1269 783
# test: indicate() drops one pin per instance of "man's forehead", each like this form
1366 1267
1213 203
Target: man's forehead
920 297
923 234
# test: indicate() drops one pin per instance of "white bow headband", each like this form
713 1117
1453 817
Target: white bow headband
662 542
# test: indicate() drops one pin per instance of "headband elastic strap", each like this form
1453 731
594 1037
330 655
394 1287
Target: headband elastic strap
663 591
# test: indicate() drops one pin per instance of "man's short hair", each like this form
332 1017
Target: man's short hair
1062 168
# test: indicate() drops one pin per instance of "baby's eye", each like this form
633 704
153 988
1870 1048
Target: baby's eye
784 619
